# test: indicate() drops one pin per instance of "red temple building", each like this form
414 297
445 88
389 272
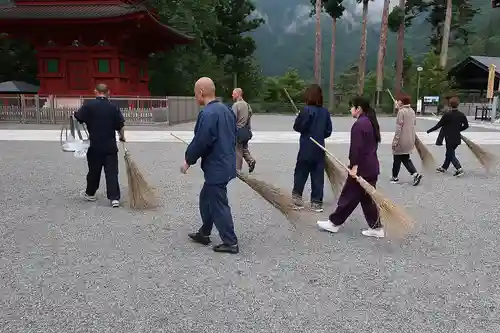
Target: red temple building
80 43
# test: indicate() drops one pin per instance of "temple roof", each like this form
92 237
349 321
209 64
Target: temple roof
472 73
82 11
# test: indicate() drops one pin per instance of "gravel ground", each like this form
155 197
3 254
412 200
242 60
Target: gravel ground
72 266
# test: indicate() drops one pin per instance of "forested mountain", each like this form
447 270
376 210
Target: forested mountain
286 40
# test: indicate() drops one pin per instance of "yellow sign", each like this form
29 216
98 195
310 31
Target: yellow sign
491 82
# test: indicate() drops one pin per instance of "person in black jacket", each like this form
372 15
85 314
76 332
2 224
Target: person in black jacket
103 120
313 121
452 123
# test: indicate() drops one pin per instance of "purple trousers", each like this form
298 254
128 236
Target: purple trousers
352 195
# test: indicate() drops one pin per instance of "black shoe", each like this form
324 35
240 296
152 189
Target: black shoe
199 238
439 143
251 166
224 248
416 179
458 173
440 170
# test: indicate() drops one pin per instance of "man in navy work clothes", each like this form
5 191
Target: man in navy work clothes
215 143
103 120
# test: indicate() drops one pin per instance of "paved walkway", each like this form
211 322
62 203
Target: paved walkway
71 266
489 138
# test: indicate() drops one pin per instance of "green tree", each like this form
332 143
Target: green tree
17 61
434 79
175 71
291 81
362 48
395 23
462 14
217 33
228 41
335 9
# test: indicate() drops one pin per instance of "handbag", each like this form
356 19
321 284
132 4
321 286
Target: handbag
244 134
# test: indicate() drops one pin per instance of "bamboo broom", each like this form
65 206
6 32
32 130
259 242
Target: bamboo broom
398 222
428 161
141 195
271 194
486 159
335 178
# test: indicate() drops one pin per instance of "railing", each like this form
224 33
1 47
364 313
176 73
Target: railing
136 110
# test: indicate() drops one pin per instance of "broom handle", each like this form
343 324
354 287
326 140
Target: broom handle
181 140
390 94
291 100
330 154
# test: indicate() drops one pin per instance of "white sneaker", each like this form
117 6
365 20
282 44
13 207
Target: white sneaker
377 233
115 203
87 197
328 226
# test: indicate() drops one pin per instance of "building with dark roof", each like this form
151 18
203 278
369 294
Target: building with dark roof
472 73
80 43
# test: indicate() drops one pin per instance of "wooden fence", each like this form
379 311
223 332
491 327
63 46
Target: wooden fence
136 110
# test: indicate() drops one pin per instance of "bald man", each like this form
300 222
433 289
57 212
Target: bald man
103 120
243 113
215 143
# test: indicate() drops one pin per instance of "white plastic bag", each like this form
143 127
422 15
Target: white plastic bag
80 148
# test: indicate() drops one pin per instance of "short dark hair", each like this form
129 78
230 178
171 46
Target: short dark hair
314 95
454 102
404 98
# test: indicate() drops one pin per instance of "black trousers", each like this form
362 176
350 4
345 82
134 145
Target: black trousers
406 160
440 138
96 162
451 157
317 171
214 209
351 196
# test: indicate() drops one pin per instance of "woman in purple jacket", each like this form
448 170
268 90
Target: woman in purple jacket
363 162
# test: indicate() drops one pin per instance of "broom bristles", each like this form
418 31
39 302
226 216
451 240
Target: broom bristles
428 161
141 195
336 176
486 159
396 221
273 195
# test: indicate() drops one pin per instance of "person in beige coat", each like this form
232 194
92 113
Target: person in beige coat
404 140
243 112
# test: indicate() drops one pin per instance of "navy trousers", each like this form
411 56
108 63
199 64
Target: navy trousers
351 196
214 209
317 171
451 157
96 162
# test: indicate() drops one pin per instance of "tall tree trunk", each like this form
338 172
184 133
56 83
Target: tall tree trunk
362 51
317 53
400 53
443 59
381 53
332 66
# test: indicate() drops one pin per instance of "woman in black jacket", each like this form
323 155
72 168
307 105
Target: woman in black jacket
452 123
